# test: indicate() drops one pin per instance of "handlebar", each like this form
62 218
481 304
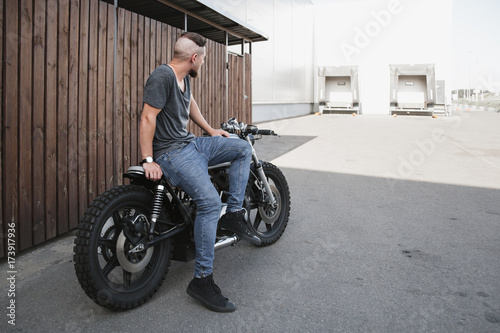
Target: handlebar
265 132
232 126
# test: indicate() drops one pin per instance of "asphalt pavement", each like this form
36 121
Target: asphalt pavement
394 227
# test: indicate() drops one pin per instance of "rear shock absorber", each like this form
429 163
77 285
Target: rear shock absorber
156 207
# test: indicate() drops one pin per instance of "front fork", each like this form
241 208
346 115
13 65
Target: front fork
261 174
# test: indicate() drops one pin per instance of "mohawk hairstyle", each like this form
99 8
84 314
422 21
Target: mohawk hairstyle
198 39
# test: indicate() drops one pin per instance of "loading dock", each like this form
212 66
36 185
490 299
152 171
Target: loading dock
338 89
413 89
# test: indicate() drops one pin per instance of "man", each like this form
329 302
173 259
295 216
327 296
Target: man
168 148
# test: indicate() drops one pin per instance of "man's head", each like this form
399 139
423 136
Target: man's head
190 47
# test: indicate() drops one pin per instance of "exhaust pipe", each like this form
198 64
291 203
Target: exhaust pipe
225 242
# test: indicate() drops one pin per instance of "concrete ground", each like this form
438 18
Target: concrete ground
394 227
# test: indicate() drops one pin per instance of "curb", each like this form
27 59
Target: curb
466 107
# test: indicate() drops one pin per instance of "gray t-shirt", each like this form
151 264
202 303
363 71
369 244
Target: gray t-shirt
163 92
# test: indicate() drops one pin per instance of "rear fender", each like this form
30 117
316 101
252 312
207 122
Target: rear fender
137 176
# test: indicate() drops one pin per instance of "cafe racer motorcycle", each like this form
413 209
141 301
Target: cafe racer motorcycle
129 234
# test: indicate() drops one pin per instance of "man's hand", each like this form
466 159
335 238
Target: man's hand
217 132
153 171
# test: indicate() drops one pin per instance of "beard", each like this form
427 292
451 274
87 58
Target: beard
193 73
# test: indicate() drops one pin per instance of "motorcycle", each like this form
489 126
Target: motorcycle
129 234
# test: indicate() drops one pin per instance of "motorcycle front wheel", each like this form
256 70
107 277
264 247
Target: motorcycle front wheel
265 219
109 273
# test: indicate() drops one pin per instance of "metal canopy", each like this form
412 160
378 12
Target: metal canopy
202 17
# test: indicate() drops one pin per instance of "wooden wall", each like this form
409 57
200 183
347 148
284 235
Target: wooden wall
71 98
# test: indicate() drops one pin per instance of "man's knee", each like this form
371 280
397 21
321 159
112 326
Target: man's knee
209 202
246 148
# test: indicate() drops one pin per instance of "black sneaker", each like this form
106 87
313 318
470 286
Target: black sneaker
235 222
208 293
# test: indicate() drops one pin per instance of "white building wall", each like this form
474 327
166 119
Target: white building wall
376 33
371 34
283 66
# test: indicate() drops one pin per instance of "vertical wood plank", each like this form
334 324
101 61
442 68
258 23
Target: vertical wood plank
170 44
225 82
101 97
219 74
158 44
212 77
82 148
92 101
140 78
2 230
62 162
25 113
118 104
152 49
134 110
230 82
39 112
110 63
173 39
74 33
213 89
202 86
164 43
239 80
236 84
126 90
222 81
248 87
51 121
11 116
147 39
233 86
240 88
219 70
215 72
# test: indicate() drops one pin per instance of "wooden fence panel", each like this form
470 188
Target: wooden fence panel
62 162
248 88
118 98
236 86
92 112
140 76
126 142
108 135
71 99
25 116
10 119
50 143
1 132
82 115
74 34
134 87
101 96
38 115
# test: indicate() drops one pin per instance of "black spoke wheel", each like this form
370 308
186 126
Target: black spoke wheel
268 220
108 271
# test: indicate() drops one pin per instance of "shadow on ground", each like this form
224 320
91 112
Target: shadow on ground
360 254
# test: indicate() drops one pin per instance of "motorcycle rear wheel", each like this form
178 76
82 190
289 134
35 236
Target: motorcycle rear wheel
109 274
265 220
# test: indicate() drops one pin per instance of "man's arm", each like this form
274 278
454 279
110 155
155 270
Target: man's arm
146 134
197 117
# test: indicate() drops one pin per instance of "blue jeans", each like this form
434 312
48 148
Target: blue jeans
187 168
